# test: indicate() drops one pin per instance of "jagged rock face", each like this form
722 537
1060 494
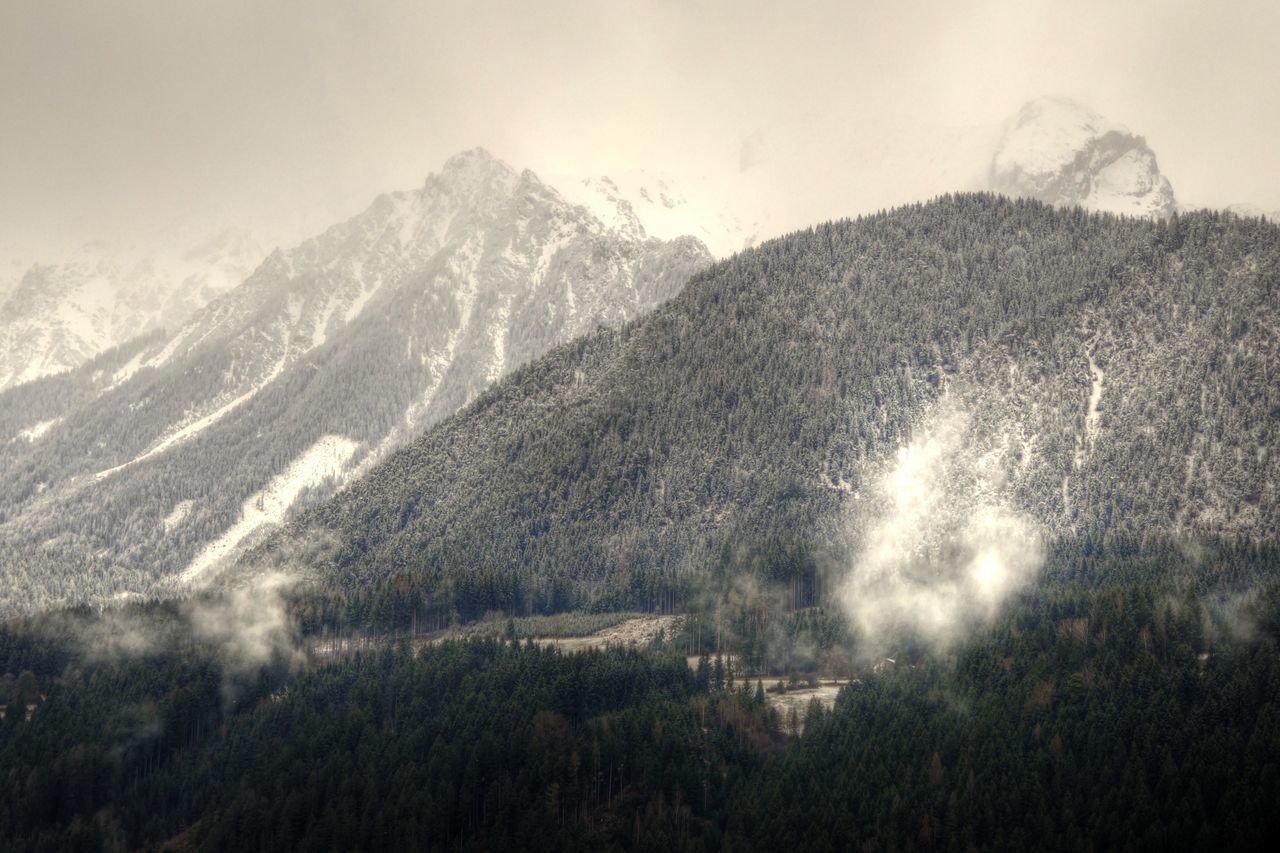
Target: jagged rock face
649 204
325 359
54 317
1061 152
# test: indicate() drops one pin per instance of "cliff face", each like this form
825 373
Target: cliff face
1063 153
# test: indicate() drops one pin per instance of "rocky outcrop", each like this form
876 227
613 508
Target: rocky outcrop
1063 153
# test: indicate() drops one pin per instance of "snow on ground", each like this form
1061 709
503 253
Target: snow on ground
1091 419
664 206
1048 133
1127 186
498 334
548 254
179 513
326 458
32 433
361 299
320 333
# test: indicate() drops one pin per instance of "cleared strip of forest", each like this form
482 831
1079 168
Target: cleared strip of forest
570 632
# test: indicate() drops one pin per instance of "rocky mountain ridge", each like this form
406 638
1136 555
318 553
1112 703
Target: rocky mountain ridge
55 317
155 463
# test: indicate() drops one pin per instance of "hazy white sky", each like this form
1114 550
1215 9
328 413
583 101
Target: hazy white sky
291 113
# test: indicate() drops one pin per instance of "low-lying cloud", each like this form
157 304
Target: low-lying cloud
245 627
248 625
943 548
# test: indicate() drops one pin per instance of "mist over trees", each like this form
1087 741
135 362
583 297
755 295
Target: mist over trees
732 457
1128 701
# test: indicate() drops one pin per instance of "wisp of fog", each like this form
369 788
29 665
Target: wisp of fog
943 548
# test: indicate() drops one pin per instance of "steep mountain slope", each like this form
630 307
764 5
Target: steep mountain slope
319 363
54 317
1098 376
1061 152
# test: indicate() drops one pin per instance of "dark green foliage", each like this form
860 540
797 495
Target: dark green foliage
1089 720
480 744
1132 701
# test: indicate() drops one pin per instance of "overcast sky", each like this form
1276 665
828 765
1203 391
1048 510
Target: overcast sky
285 114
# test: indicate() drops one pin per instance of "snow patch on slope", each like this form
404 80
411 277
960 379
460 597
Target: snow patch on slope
498 334
1096 375
32 433
360 301
179 514
326 458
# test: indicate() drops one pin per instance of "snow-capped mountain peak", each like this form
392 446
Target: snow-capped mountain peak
655 204
330 355
1047 133
57 316
474 175
1062 152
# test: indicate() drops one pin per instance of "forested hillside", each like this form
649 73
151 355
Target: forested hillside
141 474
1107 378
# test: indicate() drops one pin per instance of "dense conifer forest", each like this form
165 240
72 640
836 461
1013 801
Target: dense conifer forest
759 407
1129 702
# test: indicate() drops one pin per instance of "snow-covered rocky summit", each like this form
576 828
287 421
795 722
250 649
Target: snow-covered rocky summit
329 356
655 204
57 316
1062 152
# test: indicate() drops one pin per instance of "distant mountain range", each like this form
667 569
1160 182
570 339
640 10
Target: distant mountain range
54 317
665 206
157 459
